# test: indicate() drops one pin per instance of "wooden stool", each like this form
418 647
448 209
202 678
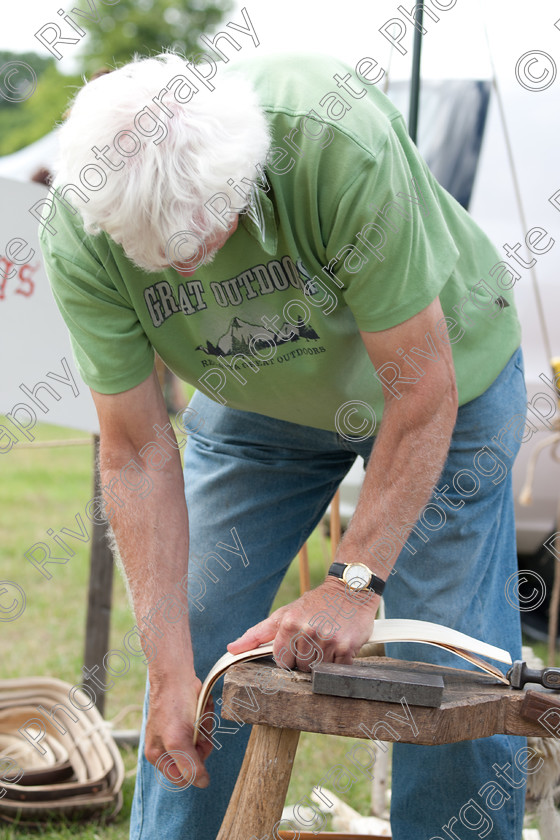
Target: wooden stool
473 706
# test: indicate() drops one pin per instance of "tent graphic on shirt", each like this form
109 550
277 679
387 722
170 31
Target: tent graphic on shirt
239 336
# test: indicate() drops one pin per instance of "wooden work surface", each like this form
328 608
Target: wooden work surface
473 705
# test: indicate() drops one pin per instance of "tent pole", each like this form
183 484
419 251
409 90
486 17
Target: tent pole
415 82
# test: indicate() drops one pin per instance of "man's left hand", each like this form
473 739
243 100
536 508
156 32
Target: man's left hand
331 619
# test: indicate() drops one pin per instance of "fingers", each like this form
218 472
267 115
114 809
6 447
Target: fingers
180 770
303 646
264 631
305 651
180 766
304 634
298 647
343 658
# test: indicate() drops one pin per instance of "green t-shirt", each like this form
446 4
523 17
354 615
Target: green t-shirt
349 231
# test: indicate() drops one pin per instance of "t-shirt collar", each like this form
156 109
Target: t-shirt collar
260 222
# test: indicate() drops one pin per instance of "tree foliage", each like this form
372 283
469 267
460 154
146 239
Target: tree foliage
37 64
147 27
143 27
21 123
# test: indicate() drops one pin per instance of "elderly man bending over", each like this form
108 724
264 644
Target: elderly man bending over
283 247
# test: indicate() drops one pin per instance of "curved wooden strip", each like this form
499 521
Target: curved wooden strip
384 631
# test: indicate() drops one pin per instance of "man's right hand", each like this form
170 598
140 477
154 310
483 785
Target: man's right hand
170 730
150 522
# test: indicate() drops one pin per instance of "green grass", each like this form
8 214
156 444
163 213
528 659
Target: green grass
45 488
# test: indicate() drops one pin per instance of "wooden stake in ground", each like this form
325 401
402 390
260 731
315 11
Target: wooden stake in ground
100 592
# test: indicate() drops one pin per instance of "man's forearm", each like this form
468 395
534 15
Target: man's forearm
405 464
151 531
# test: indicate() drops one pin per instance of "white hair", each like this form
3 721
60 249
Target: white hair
180 162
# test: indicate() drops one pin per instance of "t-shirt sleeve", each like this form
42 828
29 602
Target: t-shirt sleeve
389 243
110 347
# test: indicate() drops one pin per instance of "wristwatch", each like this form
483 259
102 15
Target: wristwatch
357 576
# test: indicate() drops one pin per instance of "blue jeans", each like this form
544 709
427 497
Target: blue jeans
271 481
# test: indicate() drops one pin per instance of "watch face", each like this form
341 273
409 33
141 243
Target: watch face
357 576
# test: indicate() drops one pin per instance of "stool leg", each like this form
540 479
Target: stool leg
260 791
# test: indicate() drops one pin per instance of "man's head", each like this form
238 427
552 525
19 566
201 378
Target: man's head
148 145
